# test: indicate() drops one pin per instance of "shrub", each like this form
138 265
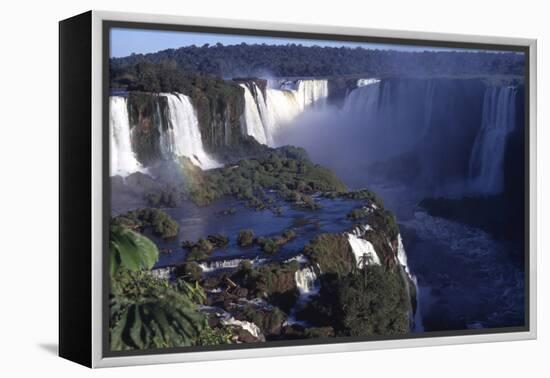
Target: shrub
332 252
189 271
245 238
158 221
356 214
268 245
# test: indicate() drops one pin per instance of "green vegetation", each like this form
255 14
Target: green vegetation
130 250
361 195
215 336
272 245
384 220
200 250
245 238
275 282
287 170
159 71
332 252
189 271
317 332
358 213
270 322
160 223
377 306
218 240
368 302
148 312
169 197
268 245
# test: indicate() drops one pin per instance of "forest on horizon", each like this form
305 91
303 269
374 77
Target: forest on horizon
302 61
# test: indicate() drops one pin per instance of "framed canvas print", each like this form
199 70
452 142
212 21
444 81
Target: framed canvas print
236 189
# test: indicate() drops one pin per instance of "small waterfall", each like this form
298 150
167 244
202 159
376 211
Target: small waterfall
183 136
123 160
365 82
486 170
418 326
362 249
228 320
221 264
402 255
253 118
306 281
211 266
308 284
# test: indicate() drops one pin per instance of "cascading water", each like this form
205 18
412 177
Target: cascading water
401 254
282 107
253 118
265 116
308 284
428 108
486 171
311 92
416 320
365 82
365 98
183 136
123 160
211 266
306 281
363 250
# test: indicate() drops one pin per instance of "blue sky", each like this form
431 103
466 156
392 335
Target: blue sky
127 41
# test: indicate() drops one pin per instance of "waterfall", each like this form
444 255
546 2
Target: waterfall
311 92
402 255
306 281
486 171
364 99
362 249
228 320
365 82
253 118
211 266
282 107
428 108
182 137
123 160
417 320
265 116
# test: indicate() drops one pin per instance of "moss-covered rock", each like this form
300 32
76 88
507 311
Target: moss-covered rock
146 111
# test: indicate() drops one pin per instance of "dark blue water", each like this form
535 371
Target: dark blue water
466 279
199 222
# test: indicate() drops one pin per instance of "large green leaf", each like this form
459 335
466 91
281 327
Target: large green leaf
131 250
147 313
